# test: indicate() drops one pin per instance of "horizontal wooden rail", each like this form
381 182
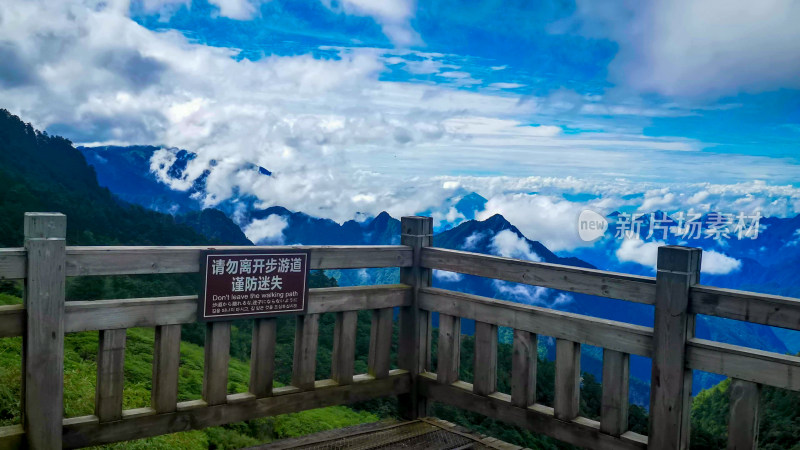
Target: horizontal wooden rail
619 336
621 286
765 309
581 431
85 261
151 312
744 363
193 415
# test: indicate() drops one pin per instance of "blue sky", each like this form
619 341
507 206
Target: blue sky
359 106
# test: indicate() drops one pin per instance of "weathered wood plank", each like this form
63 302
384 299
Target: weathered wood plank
380 343
449 349
12 263
485 369
262 356
414 337
671 382
152 312
344 347
765 309
744 407
110 375
306 339
633 288
193 415
43 349
744 363
12 320
12 437
215 369
614 403
166 362
617 336
537 418
567 392
524 361
130 260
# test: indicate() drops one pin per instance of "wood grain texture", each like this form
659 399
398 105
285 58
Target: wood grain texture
485 369
306 339
380 343
632 288
744 408
567 391
215 369
166 362
614 402
110 375
129 260
414 337
12 437
524 361
195 415
537 418
618 336
151 312
43 345
765 309
671 382
262 356
758 366
12 263
344 347
449 349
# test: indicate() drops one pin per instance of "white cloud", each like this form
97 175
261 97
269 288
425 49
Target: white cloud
715 263
446 276
705 48
639 251
505 85
235 9
394 16
266 231
471 242
532 295
646 254
507 243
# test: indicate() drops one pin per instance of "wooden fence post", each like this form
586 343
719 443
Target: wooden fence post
671 382
414 351
43 345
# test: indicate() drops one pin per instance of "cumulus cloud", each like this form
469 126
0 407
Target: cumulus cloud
532 295
471 242
449 277
393 15
691 48
266 231
508 244
646 254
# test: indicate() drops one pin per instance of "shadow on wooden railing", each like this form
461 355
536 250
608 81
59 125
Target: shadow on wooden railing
45 317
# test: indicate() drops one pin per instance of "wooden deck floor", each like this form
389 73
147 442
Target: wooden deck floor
423 434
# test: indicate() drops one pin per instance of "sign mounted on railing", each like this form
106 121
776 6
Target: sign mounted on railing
246 284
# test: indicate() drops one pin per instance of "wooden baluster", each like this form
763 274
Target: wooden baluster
743 422
110 375
344 346
166 363
614 406
262 356
305 351
568 377
43 345
449 349
485 370
380 343
217 355
671 382
414 337
524 360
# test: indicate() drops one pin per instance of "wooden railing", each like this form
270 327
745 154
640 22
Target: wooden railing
45 262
